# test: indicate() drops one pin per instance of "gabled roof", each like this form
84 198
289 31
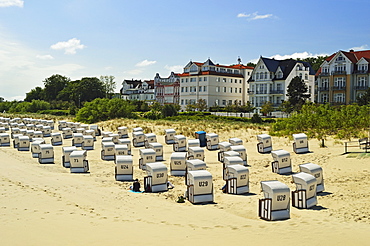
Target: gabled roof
353 56
286 66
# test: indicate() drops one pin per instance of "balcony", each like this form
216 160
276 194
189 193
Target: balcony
325 88
338 72
322 74
361 87
338 88
361 71
276 92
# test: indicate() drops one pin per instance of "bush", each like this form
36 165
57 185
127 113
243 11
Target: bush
105 109
256 119
56 112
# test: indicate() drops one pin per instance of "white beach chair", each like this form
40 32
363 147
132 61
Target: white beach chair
108 151
275 204
4 140
56 138
223 147
157 177
282 163
146 156
24 143
169 136
305 194
77 139
124 168
228 161
212 141
180 143
149 138
66 153
138 139
122 132
178 163
300 144
87 142
237 179
235 141
199 187
158 148
317 172
242 152
79 163
67 133
264 143
195 153
46 154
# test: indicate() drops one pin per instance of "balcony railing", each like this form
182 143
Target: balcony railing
324 74
338 72
361 71
276 92
325 88
361 87
338 88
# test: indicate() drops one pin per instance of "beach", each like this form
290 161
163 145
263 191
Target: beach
44 204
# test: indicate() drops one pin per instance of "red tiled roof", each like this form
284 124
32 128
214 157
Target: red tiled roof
353 56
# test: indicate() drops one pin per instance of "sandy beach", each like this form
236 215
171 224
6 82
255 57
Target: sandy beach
44 204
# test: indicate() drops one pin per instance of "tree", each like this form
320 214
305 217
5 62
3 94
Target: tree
251 64
84 90
247 108
267 108
297 93
109 85
365 98
35 94
201 105
169 110
54 85
1 99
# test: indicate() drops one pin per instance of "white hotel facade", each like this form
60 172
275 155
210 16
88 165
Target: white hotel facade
218 85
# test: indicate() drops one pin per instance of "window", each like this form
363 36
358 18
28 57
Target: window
186 89
205 79
200 79
182 80
324 97
223 102
362 67
240 90
217 102
265 75
193 79
300 75
306 76
182 101
240 81
200 88
218 79
340 82
204 88
339 97
186 80
217 89
224 89
230 102
224 80
236 90
231 90
361 81
182 89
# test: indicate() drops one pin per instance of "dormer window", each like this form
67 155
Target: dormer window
193 68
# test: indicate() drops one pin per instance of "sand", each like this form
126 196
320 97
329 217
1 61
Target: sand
44 204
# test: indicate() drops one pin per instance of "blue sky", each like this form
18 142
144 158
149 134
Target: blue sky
137 39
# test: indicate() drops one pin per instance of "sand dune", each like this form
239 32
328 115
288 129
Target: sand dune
46 204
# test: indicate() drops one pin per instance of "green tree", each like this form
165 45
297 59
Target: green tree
365 98
35 94
251 64
169 110
54 85
267 108
109 85
297 93
315 61
247 108
201 105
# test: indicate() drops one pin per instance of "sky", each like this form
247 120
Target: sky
137 39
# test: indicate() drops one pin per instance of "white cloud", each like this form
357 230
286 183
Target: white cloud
69 46
45 57
10 3
362 47
254 16
145 63
296 55
175 68
242 15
